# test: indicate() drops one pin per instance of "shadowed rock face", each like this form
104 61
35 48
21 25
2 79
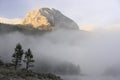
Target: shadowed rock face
46 18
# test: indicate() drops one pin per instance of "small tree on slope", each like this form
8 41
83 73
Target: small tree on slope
17 56
28 59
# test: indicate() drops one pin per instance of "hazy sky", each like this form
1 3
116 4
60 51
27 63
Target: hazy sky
84 12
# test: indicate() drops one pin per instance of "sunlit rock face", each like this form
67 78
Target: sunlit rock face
46 18
37 20
43 19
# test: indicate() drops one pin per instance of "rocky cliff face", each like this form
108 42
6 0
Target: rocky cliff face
37 20
46 18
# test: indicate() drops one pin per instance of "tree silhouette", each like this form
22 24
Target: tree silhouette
17 56
28 59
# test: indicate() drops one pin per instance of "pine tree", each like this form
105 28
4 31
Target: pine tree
17 56
28 59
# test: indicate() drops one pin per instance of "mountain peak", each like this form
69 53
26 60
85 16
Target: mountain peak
44 19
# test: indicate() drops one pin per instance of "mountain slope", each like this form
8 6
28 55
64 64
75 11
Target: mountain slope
43 19
49 17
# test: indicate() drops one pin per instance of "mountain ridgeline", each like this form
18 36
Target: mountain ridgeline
39 20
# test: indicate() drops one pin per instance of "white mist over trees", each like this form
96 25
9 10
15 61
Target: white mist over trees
94 52
35 42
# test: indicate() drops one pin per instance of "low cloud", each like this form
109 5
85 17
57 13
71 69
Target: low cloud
93 51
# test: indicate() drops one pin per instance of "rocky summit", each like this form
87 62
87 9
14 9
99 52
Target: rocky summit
43 19
46 18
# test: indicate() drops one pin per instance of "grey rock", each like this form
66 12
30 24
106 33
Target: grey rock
51 18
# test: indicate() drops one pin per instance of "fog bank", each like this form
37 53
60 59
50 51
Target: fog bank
93 51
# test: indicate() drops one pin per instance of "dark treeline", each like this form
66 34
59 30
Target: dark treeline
25 29
57 67
63 68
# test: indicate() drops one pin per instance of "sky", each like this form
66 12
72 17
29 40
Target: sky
84 12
